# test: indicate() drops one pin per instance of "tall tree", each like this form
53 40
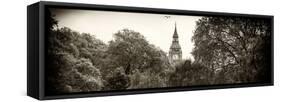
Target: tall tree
233 45
132 52
74 64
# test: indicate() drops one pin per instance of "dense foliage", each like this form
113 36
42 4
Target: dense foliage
75 64
83 63
236 49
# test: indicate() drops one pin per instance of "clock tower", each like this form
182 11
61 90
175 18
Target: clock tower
175 53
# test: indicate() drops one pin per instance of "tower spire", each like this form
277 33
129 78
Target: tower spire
175 33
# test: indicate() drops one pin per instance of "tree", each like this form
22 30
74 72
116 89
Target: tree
50 20
132 52
188 73
233 46
118 80
75 64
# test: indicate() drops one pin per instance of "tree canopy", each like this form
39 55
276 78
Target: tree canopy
234 46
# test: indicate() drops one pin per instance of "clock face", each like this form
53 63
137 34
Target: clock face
175 57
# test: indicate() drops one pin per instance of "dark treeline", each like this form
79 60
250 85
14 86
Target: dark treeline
227 50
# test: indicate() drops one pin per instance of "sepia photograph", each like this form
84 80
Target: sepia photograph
95 50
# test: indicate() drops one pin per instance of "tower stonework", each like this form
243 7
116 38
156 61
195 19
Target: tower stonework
175 53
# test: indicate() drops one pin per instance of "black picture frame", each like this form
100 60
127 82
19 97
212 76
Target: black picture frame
36 47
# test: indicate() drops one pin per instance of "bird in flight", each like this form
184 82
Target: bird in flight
167 17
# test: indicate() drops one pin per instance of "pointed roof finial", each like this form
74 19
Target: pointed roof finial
175 33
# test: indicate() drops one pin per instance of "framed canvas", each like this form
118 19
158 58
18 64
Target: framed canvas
82 50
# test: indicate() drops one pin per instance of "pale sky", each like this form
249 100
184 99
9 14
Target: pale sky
158 29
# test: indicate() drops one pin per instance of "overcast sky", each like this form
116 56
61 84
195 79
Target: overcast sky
158 29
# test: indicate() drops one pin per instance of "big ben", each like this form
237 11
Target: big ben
175 53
